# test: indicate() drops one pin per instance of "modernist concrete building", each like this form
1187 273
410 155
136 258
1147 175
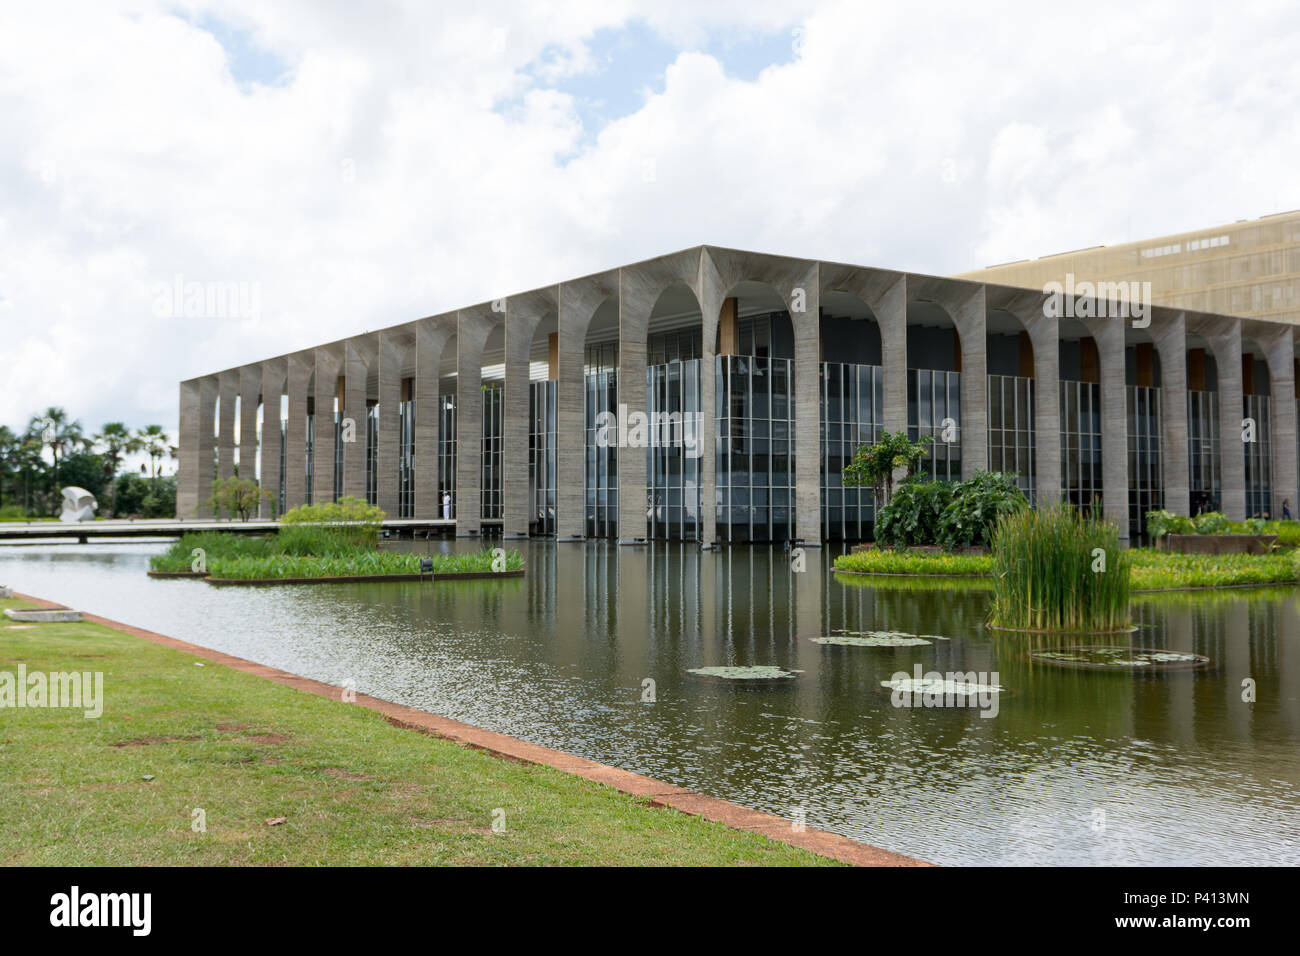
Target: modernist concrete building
759 376
1250 268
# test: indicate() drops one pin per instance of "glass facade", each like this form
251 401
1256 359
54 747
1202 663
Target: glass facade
541 457
447 455
311 448
406 455
338 452
1011 429
1259 457
490 483
754 410
1146 484
674 456
933 411
1205 479
852 403
601 484
1081 444
372 451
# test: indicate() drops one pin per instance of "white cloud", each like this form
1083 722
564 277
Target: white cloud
431 157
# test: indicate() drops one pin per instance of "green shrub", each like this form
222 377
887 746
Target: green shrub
350 518
1161 523
912 515
1047 575
975 507
1211 522
1255 525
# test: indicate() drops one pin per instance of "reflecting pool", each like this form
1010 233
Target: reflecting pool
588 654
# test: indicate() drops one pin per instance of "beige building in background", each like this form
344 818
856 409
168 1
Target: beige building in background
1250 268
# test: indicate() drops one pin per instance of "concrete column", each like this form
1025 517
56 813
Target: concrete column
325 392
298 377
209 387
472 328
273 380
523 314
392 346
189 483
354 407
1108 334
250 392
578 302
1171 346
1224 338
431 337
891 316
635 300
710 294
807 405
228 389
1044 338
1280 349
969 314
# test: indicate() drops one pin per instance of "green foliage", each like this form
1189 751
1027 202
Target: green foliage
1211 522
147 497
1161 523
356 521
1048 572
883 561
358 562
1160 570
236 496
975 506
874 465
950 514
1150 569
912 515
85 470
1255 525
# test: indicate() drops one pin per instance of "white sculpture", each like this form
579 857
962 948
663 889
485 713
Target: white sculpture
78 505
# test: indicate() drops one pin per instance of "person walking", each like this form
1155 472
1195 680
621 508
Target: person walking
1286 509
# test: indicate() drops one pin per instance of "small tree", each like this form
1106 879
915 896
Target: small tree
236 496
874 465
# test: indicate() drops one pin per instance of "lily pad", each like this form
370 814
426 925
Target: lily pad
884 639
1118 658
742 675
941 686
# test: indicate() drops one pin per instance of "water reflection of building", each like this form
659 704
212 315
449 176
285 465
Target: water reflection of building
760 376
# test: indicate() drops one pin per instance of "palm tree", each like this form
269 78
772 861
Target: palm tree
58 432
117 441
154 442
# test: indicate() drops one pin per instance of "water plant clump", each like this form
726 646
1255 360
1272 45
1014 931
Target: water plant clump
1119 658
1057 570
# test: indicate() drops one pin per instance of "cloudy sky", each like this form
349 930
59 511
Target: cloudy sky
347 166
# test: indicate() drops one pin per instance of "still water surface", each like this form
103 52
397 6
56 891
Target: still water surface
1076 767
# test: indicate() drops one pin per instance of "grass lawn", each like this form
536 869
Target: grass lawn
1152 570
353 789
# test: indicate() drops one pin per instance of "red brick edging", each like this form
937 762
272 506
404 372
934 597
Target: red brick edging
821 842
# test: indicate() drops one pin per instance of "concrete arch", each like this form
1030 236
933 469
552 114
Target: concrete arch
798 282
578 302
1031 309
964 306
525 314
